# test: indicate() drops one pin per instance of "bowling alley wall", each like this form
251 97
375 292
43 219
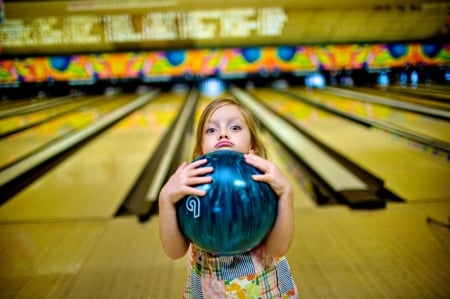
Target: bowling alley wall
161 66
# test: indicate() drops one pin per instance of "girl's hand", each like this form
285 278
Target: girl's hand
180 184
270 174
279 240
184 180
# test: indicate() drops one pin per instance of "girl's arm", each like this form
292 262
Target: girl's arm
177 187
279 240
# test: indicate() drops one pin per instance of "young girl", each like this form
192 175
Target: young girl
262 272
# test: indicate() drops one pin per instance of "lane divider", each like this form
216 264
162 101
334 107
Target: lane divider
174 140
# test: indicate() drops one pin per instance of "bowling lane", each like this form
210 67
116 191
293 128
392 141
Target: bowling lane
11 104
21 144
426 126
404 98
408 172
93 181
302 197
440 87
23 106
27 119
422 92
14 104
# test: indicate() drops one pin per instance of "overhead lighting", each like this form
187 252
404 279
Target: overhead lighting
118 4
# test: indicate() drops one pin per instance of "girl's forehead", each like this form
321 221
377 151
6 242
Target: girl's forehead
226 111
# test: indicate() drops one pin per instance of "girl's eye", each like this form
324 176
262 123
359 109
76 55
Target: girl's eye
235 128
211 130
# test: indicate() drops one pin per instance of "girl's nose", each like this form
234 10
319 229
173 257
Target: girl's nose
223 134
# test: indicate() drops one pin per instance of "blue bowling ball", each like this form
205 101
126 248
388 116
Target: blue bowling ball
236 213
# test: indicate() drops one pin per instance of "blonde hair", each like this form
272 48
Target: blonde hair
258 146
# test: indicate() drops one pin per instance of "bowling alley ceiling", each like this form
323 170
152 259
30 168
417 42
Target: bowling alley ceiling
36 27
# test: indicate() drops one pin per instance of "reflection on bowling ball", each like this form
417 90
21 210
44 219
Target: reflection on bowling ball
235 214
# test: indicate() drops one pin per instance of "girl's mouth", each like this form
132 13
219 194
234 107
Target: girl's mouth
223 143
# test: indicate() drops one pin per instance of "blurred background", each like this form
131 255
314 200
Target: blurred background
56 44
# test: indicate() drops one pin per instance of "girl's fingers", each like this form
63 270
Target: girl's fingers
197 163
201 171
258 162
195 168
200 180
195 191
259 177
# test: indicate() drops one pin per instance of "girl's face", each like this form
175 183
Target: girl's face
226 129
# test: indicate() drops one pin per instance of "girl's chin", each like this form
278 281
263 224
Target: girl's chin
225 148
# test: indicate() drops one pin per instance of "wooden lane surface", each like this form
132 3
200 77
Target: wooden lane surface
337 253
117 258
423 91
19 103
407 171
388 253
426 126
17 121
24 143
93 181
416 99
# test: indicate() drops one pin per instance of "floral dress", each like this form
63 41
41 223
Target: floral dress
254 274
